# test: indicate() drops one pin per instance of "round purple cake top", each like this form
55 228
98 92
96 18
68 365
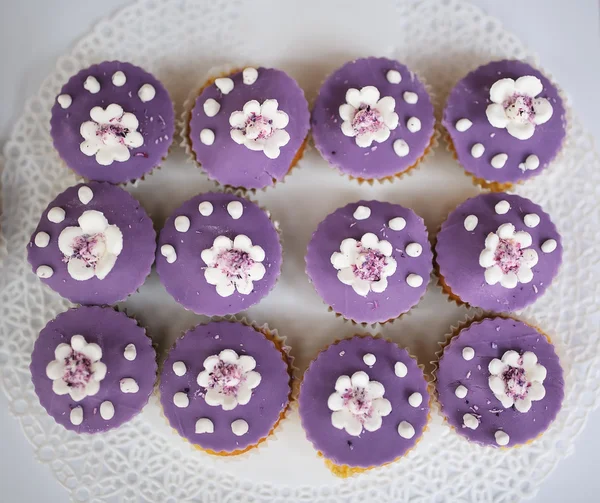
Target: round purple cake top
218 254
224 386
370 261
94 244
373 118
112 122
363 402
246 128
93 369
498 251
523 103
521 366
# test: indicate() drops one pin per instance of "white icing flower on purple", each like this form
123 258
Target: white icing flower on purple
233 265
517 379
110 134
367 117
260 127
507 257
516 108
228 379
92 248
77 370
358 403
364 264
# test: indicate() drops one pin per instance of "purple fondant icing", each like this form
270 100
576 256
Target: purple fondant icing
469 100
379 160
398 297
155 117
185 278
113 332
230 163
269 399
132 265
458 252
370 448
490 339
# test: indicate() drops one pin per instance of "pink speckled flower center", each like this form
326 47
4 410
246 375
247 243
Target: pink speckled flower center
88 248
78 370
515 383
258 127
358 403
112 133
508 255
519 108
234 263
370 264
367 120
226 377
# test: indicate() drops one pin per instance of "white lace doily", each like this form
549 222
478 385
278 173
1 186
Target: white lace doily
180 40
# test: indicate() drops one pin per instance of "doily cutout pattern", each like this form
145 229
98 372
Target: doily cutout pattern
142 462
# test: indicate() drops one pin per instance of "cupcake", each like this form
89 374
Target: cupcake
93 369
94 244
499 382
112 122
218 254
373 119
248 128
370 261
225 386
506 123
363 403
497 251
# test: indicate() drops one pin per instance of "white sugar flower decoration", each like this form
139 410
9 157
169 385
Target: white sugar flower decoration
77 370
507 258
367 117
260 127
358 403
517 379
516 108
92 248
110 134
233 265
229 379
364 264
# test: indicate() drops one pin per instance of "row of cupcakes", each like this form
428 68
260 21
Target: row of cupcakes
373 119
364 402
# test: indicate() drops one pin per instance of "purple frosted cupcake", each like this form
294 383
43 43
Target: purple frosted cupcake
370 261
218 254
506 123
93 369
112 122
373 119
94 244
225 386
248 129
497 251
499 382
363 403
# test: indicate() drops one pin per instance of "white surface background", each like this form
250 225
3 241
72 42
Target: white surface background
34 33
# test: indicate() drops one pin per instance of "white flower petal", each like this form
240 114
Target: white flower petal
347 112
92 222
496 385
524 274
505 400
361 287
530 360
511 358
281 120
104 265
242 242
210 363
113 239
62 351
521 131
257 253
381 135
493 275
543 110
55 369
369 95
523 405
529 86
228 402
203 379
529 258
91 388
369 240
214 276
243 395
382 406
247 363
348 130
386 105
346 276
353 426
225 289
92 351
228 356
253 379
536 391
389 268
251 107
243 286
213 397
373 423
269 108
486 258
359 379
79 270
60 387
77 394
342 384
348 245
502 90
133 139
391 120
506 231
222 243
496 115
339 260
237 120
523 238
491 241
335 402
66 239
339 418
376 389
353 97
379 286
496 367
257 271
509 280
537 374
238 136
364 140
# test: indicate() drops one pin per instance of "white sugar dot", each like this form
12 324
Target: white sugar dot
477 150
146 93
225 85
239 427
549 245
532 162
119 79
393 77
107 410
499 160
204 425
44 271
470 223
249 76
91 85
130 352
85 194
64 100
169 253
462 125
400 369
470 421
397 224
415 400
502 437
531 220
401 148
207 136
235 209
181 400
468 353
413 124
414 250
56 215
129 385
414 280
205 208
362 213
502 207
182 223
76 415
211 107
42 239
179 368
369 359
461 391
410 98
406 430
